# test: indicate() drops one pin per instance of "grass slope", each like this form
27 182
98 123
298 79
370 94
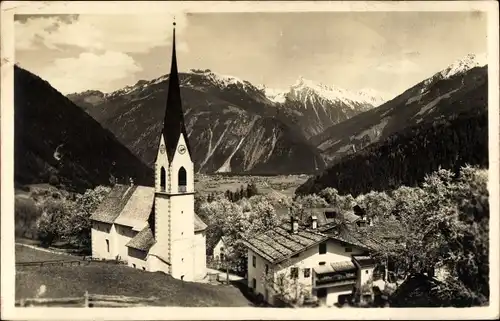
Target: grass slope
26 254
111 279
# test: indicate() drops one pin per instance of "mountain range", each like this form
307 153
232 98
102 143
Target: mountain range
432 99
442 122
233 125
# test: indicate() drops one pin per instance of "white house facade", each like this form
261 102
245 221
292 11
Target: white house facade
156 228
219 250
299 262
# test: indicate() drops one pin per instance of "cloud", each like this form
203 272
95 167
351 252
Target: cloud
120 33
89 71
403 66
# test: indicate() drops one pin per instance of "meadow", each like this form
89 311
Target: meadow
284 184
113 279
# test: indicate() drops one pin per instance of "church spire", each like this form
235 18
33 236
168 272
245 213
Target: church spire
173 124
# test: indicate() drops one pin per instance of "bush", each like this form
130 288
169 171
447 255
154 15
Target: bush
53 180
52 224
26 214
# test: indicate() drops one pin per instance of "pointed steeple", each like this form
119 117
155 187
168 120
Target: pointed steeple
173 124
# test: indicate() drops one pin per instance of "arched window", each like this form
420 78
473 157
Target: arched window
182 179
162 179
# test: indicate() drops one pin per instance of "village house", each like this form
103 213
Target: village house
330 217
156 228
219 250
296 262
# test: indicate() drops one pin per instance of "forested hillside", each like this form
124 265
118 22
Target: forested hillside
405 158
56 141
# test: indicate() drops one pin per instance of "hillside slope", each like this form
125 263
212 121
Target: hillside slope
230 123
406 157
55 138
435 98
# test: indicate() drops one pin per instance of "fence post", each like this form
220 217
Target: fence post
86 299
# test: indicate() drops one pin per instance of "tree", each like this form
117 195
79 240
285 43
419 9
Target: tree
79 223
376 204
284 286
26 215
53 223
311 201
252 190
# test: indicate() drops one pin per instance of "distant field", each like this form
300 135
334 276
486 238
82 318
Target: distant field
285 184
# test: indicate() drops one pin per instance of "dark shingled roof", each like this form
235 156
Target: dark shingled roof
143 240
113 204
278 244
173 124
325 222
364 260
131 206
199 225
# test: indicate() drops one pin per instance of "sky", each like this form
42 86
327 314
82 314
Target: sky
384 51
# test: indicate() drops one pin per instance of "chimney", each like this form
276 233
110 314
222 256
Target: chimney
314 222
295 224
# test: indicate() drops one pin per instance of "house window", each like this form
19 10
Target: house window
322 248
267 269
366 271
330 214
133 265
294 273
107 245
254 283
182 179
307 272
143 268
321 293
322 263
162 179
348 249
254 261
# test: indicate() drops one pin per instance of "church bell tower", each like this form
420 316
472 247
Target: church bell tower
174 185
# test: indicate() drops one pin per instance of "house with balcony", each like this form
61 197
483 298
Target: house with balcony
297 263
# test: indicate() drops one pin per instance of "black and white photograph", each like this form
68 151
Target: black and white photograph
319 159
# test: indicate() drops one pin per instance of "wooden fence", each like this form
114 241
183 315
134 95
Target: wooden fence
84 261
89 301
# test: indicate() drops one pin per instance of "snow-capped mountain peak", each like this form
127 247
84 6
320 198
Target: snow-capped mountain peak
303 88
462 65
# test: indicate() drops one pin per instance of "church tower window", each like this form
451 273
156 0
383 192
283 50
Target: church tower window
163 179
182 179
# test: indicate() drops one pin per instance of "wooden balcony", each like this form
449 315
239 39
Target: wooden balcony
334 274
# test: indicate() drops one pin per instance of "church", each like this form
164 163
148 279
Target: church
156 228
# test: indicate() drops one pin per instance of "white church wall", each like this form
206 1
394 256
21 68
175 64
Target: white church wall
123 235
200 258
154 264
136 259
103 240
